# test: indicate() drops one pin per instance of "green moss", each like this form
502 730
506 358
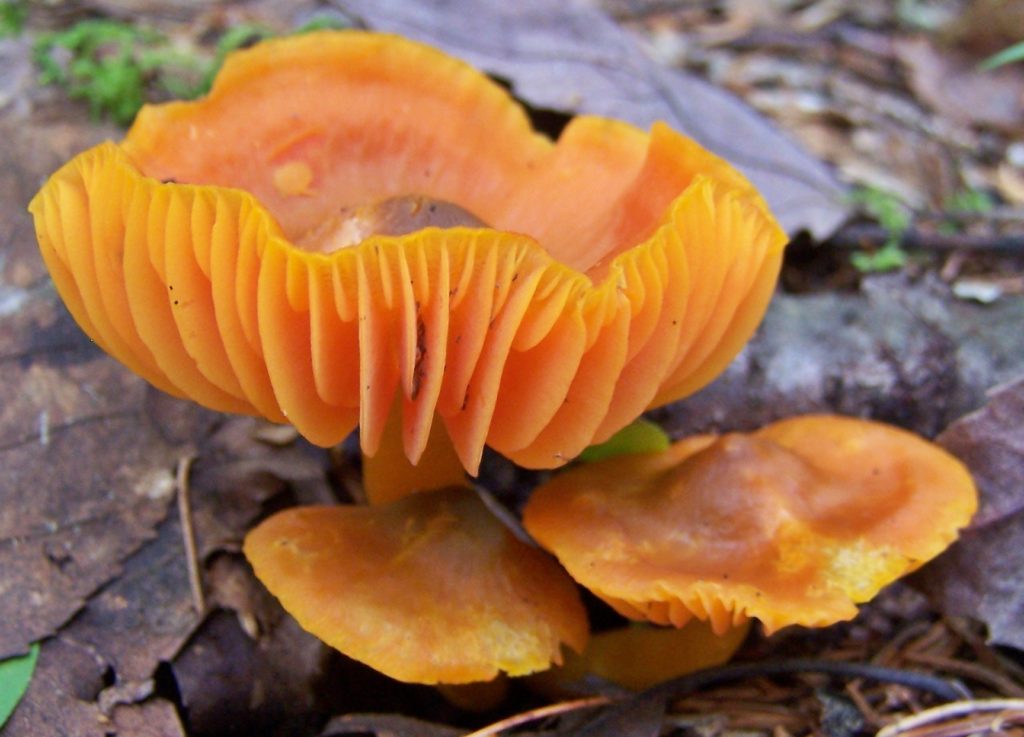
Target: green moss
116 67
889 212
12 18
113 65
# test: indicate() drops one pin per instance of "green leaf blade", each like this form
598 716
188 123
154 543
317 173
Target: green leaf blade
15 675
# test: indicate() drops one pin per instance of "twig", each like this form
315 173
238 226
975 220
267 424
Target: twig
504 516
936 640
643 10
869 712
534 714
967 669
890 651
188 534
987 655
1002 214
940 687
950 711
868 234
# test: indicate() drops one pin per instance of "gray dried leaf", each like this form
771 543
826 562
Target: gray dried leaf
900 351
953 86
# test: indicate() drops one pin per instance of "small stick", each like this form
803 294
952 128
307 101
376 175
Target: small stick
504 516
948 711
966 669
869 234
863 705
725 673
189 535
534 714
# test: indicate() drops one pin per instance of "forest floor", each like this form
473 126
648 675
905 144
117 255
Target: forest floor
901 299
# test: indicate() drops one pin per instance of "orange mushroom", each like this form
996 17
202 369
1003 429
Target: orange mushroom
619 269
356 229
431 588
792 524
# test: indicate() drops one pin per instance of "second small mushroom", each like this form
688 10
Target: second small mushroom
795 523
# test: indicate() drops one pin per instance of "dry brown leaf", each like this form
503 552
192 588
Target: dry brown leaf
87 448
146 614
232 684
143 616
952 85
991 443
638 716
152 718
61 700
980 576
61 696
571 57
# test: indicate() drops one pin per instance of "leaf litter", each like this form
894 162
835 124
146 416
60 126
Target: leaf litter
980 575
137 658
86 446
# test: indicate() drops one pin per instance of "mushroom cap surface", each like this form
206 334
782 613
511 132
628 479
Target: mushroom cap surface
792 524
429 589
618 269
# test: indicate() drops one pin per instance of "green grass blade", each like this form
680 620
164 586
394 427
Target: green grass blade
1009 55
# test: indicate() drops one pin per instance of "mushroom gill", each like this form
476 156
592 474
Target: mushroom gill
616 268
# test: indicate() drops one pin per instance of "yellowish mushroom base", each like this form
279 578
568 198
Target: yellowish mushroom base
639 656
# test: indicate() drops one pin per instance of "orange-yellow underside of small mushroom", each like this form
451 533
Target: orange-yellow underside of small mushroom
431 588
793 524
639 656
617 269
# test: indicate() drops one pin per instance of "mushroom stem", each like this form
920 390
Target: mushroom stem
394 216
388 475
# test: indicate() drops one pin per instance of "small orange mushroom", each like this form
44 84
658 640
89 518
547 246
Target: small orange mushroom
356 229
431 588
792 524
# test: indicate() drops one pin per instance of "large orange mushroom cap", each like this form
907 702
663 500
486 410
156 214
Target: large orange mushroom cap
617 269
792 524
431 588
